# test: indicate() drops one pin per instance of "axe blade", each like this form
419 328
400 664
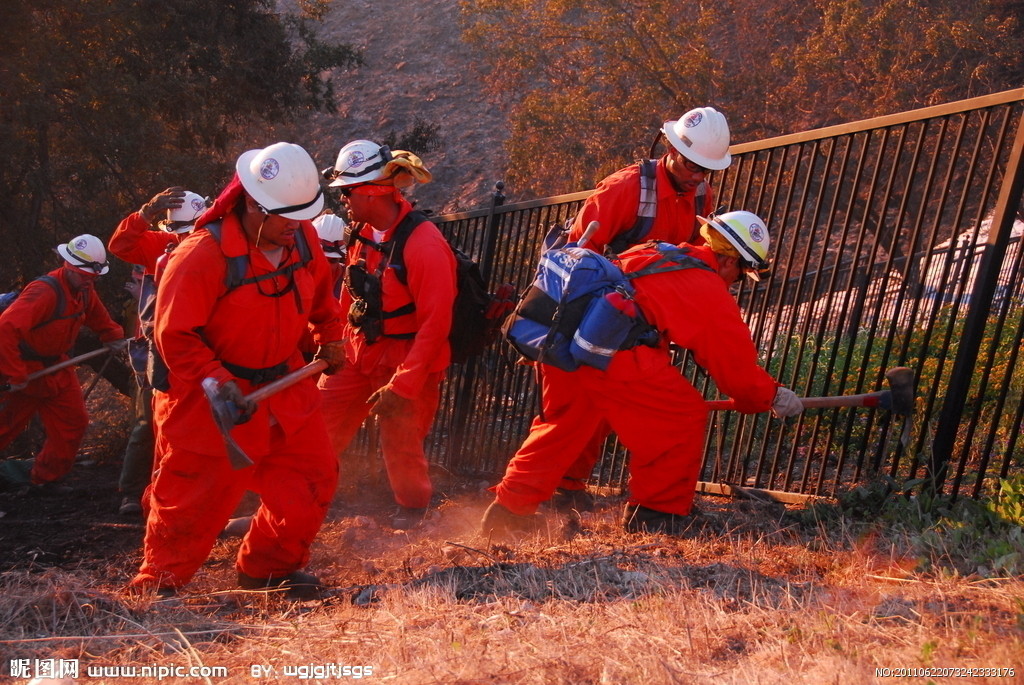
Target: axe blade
224 415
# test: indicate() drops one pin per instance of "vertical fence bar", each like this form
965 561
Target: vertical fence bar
981 298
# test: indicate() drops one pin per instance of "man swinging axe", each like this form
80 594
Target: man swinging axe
656 412
235 301
38 331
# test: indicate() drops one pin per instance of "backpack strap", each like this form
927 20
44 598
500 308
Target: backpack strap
673 258
647 209
59 312
59 309
238 266
399 238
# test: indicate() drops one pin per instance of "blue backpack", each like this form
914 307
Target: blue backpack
569 316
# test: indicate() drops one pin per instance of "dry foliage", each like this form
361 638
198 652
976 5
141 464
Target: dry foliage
769 600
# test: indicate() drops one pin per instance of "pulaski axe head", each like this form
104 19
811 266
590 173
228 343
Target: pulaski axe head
225 415
899 398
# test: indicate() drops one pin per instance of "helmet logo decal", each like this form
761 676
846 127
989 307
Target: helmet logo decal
81 244
269 169
693 119
757 232
198 204
356 159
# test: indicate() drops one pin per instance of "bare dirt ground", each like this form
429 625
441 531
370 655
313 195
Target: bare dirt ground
416 70
774 596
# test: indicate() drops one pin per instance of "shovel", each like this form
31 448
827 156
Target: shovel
225 414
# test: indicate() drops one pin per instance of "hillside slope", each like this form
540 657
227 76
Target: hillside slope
416 69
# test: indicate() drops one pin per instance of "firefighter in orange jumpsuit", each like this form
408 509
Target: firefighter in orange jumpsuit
658 415
38 330
243 337
698 142
173 212
397 348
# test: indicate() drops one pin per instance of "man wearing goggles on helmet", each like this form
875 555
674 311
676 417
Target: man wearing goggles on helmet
658 415
37 331
399 317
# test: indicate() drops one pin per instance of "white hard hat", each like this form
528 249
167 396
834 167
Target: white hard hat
702 136
360 161
183 219
331 229
85 252
747 233
283 179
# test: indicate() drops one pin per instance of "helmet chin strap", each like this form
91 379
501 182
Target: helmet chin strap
259 231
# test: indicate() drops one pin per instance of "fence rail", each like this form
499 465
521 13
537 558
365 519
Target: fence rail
894 244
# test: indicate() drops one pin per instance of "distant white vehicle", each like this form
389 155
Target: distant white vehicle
962 256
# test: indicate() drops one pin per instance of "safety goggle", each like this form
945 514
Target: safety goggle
177 226
383 156
337 246
82 264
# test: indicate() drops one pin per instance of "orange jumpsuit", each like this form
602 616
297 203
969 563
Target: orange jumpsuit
658 415
57 397
614 205
412 368
199 325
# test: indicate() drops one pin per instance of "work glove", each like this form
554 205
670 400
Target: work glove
156 208
387 403
230 392
786 403
116 346
576 252
334 354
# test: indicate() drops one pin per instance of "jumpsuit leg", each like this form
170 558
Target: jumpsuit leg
190 499
343 405
402 444
570 420
296 482
65 421
16 410
661 420
580 471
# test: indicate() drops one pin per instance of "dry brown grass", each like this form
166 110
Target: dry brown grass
765 602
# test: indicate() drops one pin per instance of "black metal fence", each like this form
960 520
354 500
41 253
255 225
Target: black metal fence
895 243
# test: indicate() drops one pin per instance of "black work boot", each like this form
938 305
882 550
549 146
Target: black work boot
297 584
499 522
405 518
641 519
573 500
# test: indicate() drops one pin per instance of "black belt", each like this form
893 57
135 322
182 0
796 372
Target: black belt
28 354
257 376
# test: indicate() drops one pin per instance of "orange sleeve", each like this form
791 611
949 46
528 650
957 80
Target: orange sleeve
135 242
695 310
